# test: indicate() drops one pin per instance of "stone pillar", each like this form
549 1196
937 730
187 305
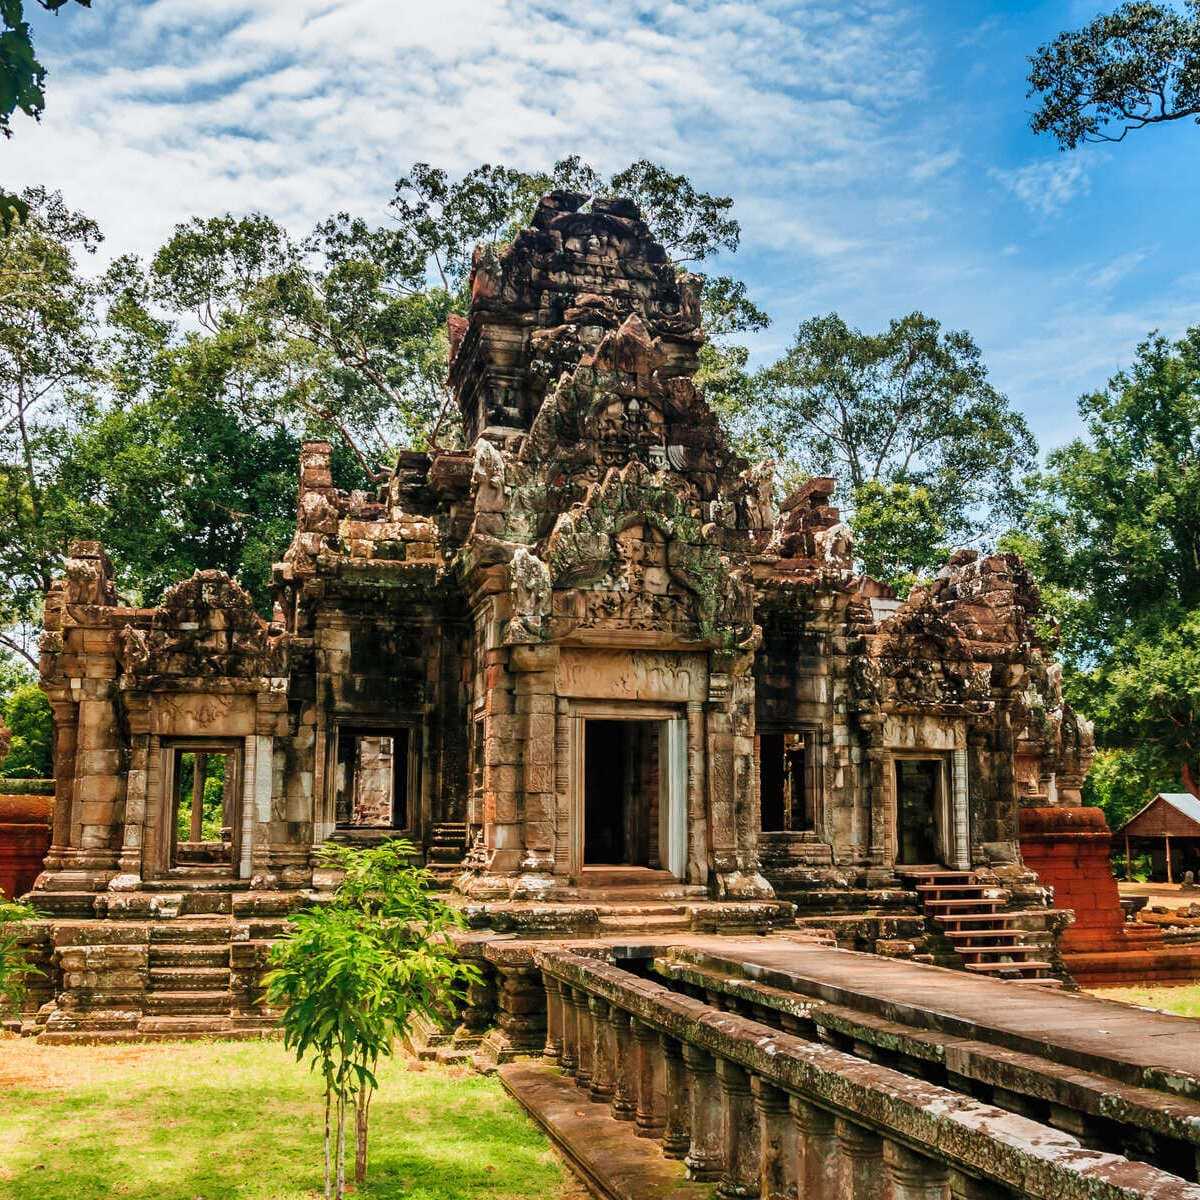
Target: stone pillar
554 1019
624 1099
677 1133
583 1045
879 791
521 1021
651 1099
568 1054
818 1163
861 1152
706 1154
913 1176
697 869
739 1132
602 1056
776 1141
534 668
66 716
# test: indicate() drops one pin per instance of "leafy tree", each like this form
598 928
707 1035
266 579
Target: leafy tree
352 974
1115 535
49 346
909 423
22 76
900 532
15 967
1136 66
26 712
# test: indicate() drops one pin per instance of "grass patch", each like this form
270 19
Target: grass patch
242 1121
1183 1001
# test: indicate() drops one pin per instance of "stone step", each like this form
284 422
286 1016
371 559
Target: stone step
184 1024
213 954
997 968
197 904
965 937
664 923
932 874
957 918
65 904
923 888
1017 951
197 879
191 933
973 904
189 979
187 1003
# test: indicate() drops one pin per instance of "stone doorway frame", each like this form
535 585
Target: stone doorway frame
672 776
162 847
953 815
326 826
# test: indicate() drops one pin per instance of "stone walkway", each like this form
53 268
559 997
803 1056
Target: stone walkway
1138 1047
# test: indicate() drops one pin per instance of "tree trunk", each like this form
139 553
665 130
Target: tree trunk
341 1147
1189 780
360 1136
328 1159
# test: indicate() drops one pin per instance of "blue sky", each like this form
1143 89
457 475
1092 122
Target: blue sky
878 151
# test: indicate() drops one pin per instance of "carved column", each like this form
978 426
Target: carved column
66 716
697 872
521 1020
568 1055
583 1045
651 1099
534 671
602 1057
624 1100
776 1141
879 793
554 1019
706 1154
739 1131
818 1162
677 1133
861 1151
913 1176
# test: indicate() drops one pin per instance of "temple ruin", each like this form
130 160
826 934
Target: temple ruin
589 647
677 759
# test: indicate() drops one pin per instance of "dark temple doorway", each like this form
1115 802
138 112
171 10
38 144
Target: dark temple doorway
918 800
787 782
621 788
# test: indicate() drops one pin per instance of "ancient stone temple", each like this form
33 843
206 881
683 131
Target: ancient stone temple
590 642
677 758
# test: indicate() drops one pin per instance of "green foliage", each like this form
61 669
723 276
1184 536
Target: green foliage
1114 536
899 532
26 712
22 76
1136 66
908 408
1122 781
15 967
351 975
212 803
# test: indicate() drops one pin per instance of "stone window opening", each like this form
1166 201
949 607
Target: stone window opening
787 778
205 806
372 778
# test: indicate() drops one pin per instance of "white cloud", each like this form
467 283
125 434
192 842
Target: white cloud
1046 187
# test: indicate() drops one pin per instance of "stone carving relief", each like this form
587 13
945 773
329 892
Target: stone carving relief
530 581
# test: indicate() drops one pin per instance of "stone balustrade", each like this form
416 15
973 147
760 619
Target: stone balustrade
765 1113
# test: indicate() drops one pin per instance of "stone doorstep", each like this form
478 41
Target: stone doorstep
612 1163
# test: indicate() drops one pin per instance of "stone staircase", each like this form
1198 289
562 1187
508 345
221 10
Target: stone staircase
446 850
970 915
179 957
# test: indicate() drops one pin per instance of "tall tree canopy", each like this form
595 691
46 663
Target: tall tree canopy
924 447
158 407
1115 536
1136 66
22 76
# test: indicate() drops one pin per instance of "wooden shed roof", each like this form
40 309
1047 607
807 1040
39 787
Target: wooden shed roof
1176 813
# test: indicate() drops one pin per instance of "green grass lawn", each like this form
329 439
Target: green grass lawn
1185 1001
225 1120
